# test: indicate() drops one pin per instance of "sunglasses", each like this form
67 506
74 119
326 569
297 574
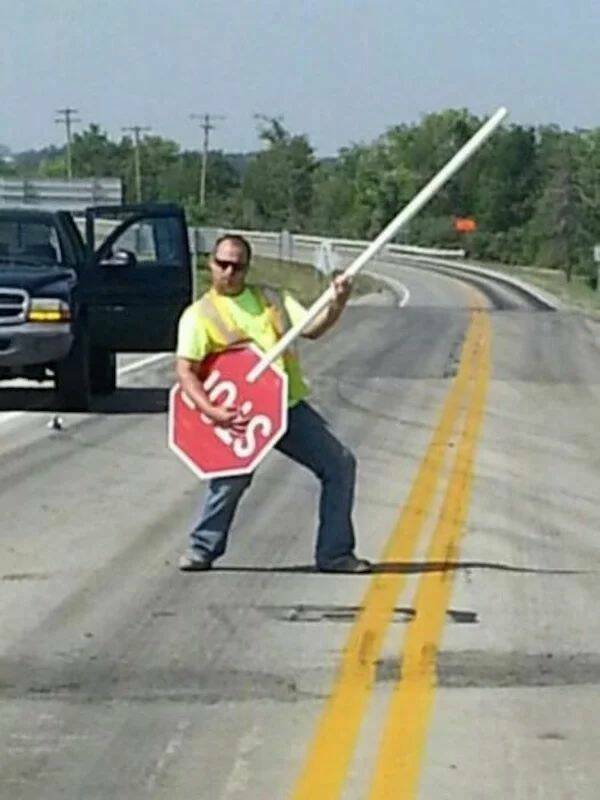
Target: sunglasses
224 263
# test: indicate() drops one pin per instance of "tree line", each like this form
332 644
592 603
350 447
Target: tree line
534 192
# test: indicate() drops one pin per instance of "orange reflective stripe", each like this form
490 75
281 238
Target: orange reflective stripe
214 310
280 319
277 310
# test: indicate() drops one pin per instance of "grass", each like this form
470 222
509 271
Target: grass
301 280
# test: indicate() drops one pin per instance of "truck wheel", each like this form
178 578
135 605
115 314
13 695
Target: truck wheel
72 374
103 371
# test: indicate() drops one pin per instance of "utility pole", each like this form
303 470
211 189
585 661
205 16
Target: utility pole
137 130
206 127
66 119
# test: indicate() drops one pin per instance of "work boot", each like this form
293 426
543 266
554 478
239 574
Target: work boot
194 562
349 564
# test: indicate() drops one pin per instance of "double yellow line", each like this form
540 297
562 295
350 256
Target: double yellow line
397 769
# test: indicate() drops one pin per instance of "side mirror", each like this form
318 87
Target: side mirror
120 258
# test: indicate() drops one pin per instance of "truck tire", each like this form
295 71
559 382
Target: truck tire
103 371
72 375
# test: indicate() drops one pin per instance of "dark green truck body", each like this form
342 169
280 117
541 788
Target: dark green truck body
69 302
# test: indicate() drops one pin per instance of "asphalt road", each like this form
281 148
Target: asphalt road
467 667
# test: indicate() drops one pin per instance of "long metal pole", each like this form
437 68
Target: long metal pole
401 219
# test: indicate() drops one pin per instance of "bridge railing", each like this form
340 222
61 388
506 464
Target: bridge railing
286 246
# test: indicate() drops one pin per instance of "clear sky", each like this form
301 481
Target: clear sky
341 71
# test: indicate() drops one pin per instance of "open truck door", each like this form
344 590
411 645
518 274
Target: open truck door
138 276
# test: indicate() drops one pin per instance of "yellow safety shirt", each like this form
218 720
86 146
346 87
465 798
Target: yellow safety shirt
198 336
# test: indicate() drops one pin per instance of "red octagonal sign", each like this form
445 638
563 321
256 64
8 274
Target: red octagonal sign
212 451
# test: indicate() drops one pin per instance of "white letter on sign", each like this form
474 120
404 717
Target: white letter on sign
245 448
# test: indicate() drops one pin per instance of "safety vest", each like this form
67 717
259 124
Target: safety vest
210 308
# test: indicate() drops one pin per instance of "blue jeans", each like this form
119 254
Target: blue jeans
310 442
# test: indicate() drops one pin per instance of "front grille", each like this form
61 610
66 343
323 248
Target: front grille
13 306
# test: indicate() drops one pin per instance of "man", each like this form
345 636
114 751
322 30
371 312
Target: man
233 311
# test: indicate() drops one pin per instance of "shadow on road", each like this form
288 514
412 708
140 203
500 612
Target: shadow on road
410 567
449 566
123 401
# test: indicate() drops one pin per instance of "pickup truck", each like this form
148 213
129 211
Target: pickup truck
69 302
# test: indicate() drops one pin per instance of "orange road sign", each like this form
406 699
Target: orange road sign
464 224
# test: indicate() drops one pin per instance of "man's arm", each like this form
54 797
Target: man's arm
342 287
192 385
192 347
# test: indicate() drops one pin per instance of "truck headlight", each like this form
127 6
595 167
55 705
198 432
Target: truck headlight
48 309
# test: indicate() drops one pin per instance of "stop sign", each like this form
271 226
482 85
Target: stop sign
212 451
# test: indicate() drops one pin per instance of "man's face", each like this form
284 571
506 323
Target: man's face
228 268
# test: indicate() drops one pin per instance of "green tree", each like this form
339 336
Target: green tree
181 182
557 226
277 186
95 155
588 190
333 200
158 157
432 143
8 169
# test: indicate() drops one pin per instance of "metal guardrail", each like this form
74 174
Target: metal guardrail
287 246
54 195
283 245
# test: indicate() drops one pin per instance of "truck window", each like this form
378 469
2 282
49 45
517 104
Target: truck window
29 242
155 240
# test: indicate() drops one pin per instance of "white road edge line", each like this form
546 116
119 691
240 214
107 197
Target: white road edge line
143 362
394 283
10 415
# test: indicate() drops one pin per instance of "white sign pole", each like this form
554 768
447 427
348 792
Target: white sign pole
407 213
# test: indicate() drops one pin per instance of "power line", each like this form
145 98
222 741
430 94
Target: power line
206 126
66 118
137 130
